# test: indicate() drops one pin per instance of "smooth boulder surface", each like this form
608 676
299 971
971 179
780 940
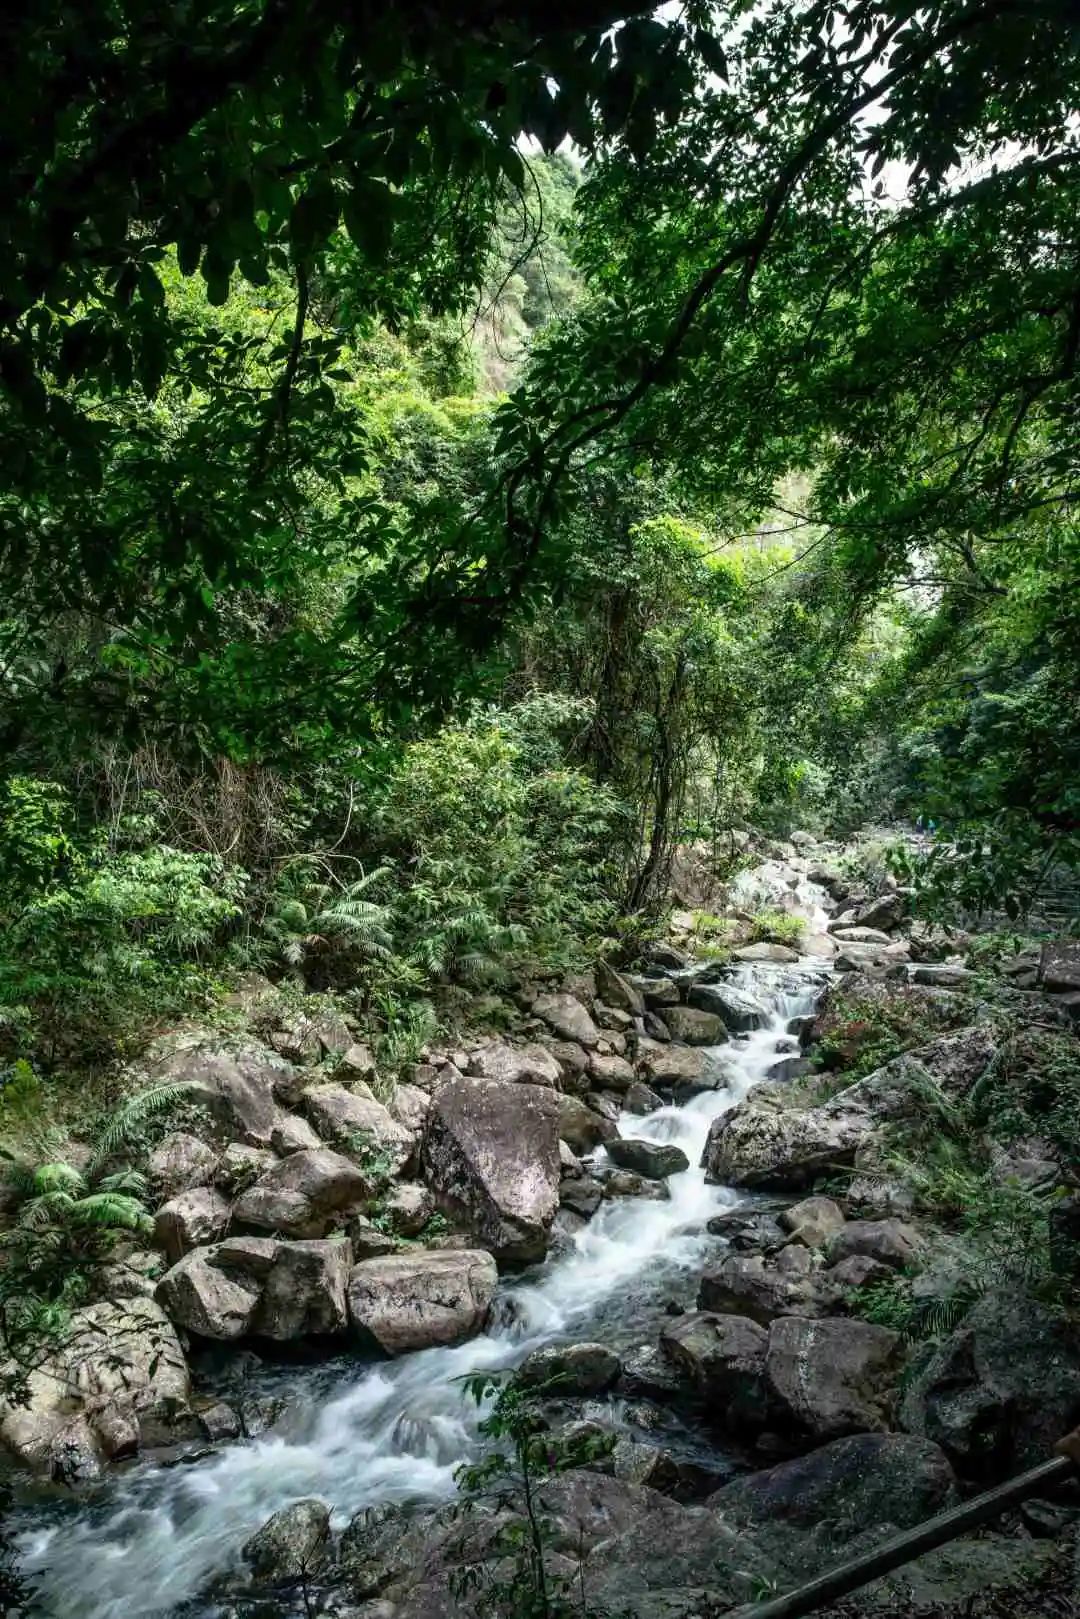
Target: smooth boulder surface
787 1283
781 954
618 991
656 1160
568 1018
693 1027
491 1150
738 1010
190 1220
782 1149
292 1543
238 1082
179 1163
663 1066
517 1065
570 1369
813 1221
891 1242
302 1195
353 1119
830 1378
261 1287
413 1301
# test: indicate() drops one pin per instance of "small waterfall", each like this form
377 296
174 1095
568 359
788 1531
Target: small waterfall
154 1537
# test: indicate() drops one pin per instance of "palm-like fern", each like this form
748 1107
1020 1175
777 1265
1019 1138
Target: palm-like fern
316 916
131 1118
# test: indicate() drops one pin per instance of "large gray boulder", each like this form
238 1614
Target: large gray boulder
656 1160
304 1294
891 1242
303 1195
618 991
813 1221
179 1163
663 1066
566 1369
190 1220
261 1287
790 1282
491 1152
416 1300
238 1082
833 1377
518 1065
693 1027
566 1017
355 1122
581 1127
737 1009
724 1357
291 1544
1001 1389
782 1149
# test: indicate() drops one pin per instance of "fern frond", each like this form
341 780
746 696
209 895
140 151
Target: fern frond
110 1209
58 1177
132 1117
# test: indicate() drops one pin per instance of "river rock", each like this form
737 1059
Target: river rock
781 954
657 993
294 1542
640 1099
886 912
409 1107
860 935
215 1292
784 1149
581 1127
787 1283
856 1272
625 1183
118 1377
180 1163
738 1010
663 1066
491 1150
240 1166
611 1073
566 1016
695 1028
190 1220
517 1065
618 991
724 1357
358 1123
411 1301
570 1369
303 1195
581 1196
813 1221
890 1242
656 1160
407 1207
235 1081
304 1294
831 1377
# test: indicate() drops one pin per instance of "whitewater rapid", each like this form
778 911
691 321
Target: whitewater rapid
153 1538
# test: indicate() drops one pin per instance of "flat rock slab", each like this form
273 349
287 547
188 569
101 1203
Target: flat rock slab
416 1301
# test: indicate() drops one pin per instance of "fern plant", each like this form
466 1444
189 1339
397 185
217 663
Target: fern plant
311 925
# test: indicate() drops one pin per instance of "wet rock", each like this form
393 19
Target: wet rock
355 1120
219 1422
580 1127
747 1231
491 1150
778 953
625 1183
787 1283
618 991
657 993
303 1295
517 1065
695 1028
782 1148
724 1357
582 1196
180 1163
638 1463
566 1016
832 1377
562 1369
294 1542
663 1066
303 1195
611 1073
190 1220
640 1099
890 1242
235 1081
414 1301
738 1010
813 1221
656 1160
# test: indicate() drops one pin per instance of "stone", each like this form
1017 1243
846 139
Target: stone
409 1107
618 991
890 1242
657 993
1059 966
1001 1389
942 975
294 1542
783 1149
860 935
291 1134
611 1073
663 1066
357 1062
648 1374
190 1220
739 1011
407 1208
780 953
411 1301
624 1183
611 1018
368 1242
528 1065
566 1016
724 1357
304 1294
580 1127
303 1195
695 1028
885 912
858 1271
359 1124
215 1292
235 1081
240 1166
813 1221
119 1371
491 1151
640 1099
219 1422
832 1377
582 1196
180 1163
666 957
656 1160
565 1369
655 1028
818 944
763 1289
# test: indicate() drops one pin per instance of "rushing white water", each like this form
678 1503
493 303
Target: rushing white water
397 1430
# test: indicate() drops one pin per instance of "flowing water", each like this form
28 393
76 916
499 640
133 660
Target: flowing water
154 1537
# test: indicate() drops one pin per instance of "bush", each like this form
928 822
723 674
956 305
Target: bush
1032 1088
777 927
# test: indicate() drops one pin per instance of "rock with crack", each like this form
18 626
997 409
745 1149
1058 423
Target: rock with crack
190 1220
238 1082
724 1357
353 1119
738 1010
618 991
491 1152
261 1287
303 1195
833 1377
790 1282
180 1163
693 1027
411 1301
304 1294
890 1242
656 1160
581 1127
782 1149
813 1221
517 1065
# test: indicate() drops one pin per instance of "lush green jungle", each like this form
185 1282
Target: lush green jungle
478 482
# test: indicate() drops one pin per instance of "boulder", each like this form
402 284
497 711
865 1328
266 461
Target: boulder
663 1066
1059 966
357 1062
611 1073
640 1099
738 1010
407 1208
784 1149
813 1221
724 1357
291 1133
890 1242
787 1283
695 1028
580 1127
235 1081
657 993
582 1196
656 1160
942 975
517 1065
648 1374
304 1294
565 1015
409 1106
356 1121
413 1301
368 1241
491 1151
833 1377
858 1271
180 1163
624 1183
565 1369
860 935
240 1166
886 912
294 1542
1002 1388
116 1379
190 1220
215 1292
781 954
618 991
303 1195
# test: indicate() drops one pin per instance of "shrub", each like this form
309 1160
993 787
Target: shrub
777 927
1032 1087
